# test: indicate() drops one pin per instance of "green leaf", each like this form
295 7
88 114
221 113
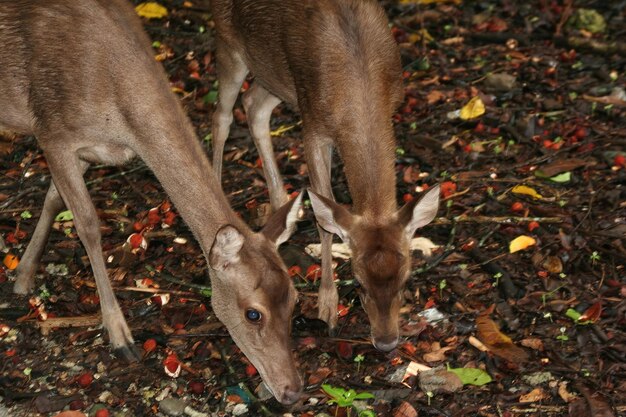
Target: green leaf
564 177
367 413
335 392
364 396
471 376
211 97
64 216
26 214
573 314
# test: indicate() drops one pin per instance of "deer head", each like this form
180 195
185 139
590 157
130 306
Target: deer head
254 297
381 258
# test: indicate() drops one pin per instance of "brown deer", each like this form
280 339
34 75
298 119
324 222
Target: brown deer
82 78
337 62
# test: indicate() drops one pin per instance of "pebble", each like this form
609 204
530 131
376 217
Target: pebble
172 406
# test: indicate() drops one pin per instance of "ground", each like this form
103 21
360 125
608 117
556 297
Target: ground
516 108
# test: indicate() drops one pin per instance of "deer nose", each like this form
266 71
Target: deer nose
385 344
290 396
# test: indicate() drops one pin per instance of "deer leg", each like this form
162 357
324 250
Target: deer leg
67 172
231 73
28 265
318 155
258 104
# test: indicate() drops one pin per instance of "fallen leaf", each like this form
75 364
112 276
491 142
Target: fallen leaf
471 376
500 344
438 355
520 243
523 189
559 166
561 178
70 414
553 264
151 10
439 380
592 314
473 109
405 410
319 375
565 395
535 395
11 261
533 343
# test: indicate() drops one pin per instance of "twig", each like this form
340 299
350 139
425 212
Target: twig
497 219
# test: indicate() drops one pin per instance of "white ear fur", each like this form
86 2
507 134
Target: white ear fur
226 246
424 212
290 221
331 216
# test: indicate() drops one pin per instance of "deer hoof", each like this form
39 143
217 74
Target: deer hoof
128 353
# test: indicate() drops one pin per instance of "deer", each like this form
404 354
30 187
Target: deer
82 78
336 62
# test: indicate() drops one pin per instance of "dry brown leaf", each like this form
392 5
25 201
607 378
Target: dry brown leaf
435 96
438 355
565 395
405 410
500 344
533 343
439 380
561 165
533 396
319 375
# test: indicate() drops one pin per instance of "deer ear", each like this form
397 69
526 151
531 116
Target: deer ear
226 247
331 216
281 224
418 213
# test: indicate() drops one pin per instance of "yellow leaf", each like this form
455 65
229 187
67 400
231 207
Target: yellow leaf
520 243
11 261
497 342
473 109
151 10
523 189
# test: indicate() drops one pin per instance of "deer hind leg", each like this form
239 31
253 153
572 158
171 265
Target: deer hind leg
258 104
52 205
67 172
231 73
319 155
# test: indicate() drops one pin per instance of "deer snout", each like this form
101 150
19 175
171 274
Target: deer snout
290 394
385 344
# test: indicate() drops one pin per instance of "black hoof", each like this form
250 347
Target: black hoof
128 353
333 332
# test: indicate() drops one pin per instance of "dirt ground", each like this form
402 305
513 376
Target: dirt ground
543 165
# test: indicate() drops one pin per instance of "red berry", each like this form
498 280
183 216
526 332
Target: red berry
294 271
480 127
580 133
103 412
149 345
85 379
313 273
407 197
154 217
196 387
620 160
448 188
532 226
547 143
517 206
251 370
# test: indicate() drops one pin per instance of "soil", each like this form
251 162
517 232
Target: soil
544 161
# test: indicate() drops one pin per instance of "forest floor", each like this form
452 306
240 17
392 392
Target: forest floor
518 109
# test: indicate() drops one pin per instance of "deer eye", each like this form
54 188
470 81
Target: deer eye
253 316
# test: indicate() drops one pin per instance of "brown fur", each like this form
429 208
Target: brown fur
81 77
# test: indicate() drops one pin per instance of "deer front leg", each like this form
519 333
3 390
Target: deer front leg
26 270
258 104
318 155
231 73
67 172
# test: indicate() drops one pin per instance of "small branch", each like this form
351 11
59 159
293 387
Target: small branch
497 219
